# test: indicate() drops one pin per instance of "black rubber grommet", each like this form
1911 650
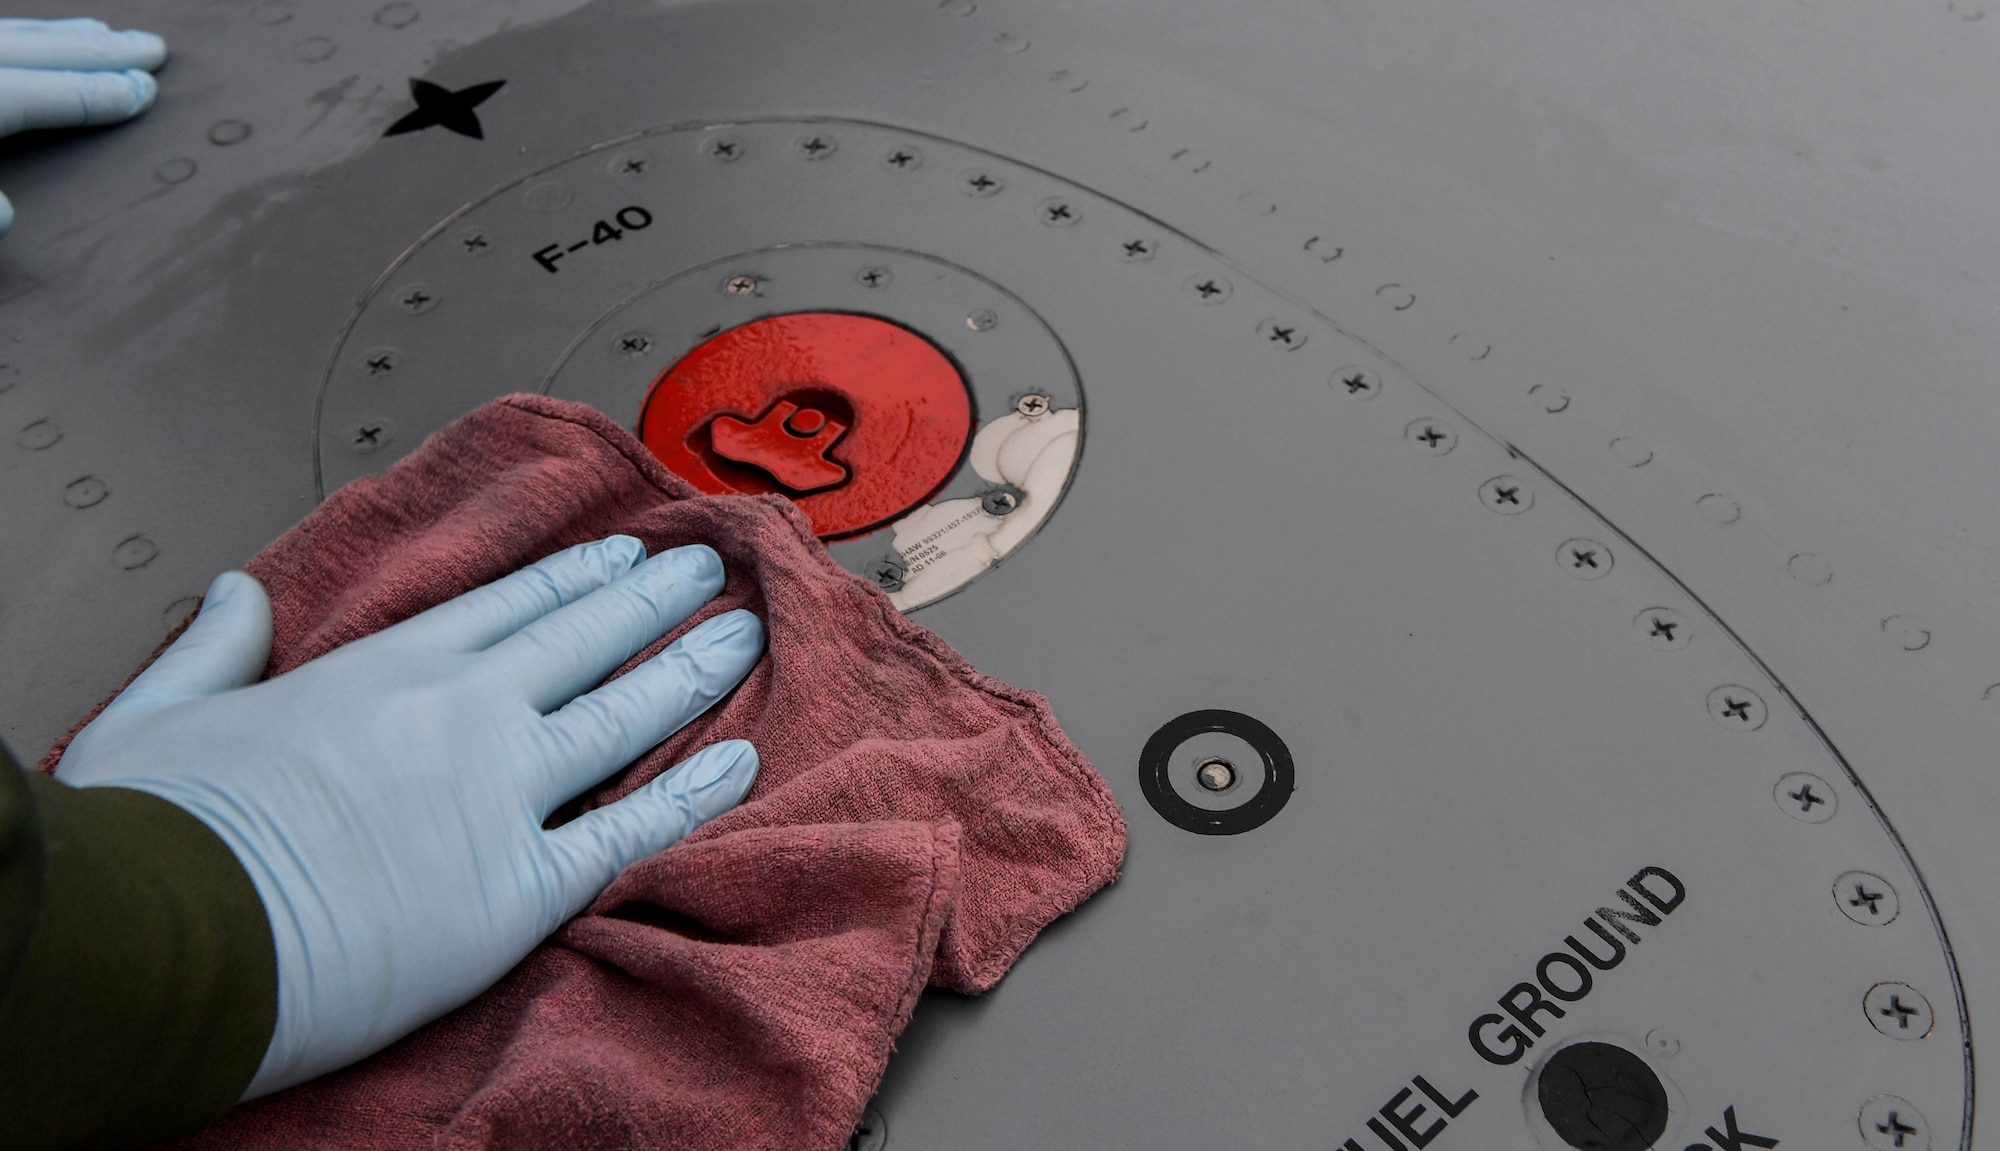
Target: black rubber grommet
1267 800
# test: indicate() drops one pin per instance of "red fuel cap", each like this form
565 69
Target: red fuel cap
855 419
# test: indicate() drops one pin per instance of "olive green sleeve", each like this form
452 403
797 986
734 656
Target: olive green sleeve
138 983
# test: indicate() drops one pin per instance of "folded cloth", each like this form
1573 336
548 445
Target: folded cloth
914 822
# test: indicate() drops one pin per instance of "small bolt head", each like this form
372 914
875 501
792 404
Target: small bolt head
1208 289
1435 437
1662 628
1805 797
1032 405
740 285
983 320
1899 1011
366 436
1287 335
874 276
379 362
907 158
1585 559
1866 898
999 502
474 242
1737 708
885 573
1359 383
818 146
1890 1123
1138 251
724 149
632 344
1215 774
1506 495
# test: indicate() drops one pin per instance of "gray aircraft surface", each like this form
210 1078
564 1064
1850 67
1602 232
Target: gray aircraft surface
1504 493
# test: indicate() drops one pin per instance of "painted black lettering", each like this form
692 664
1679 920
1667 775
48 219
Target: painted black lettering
1617 948
1451 1110
1406 1121
634 218
1525 1012
1563 959
1350 1145
1644 918
548 256
1394 1143
1666 906
1503 1058
1733 1139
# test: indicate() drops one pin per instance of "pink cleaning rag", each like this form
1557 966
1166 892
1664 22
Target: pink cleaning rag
915 822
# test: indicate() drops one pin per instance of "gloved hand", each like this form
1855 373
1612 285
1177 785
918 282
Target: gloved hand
387 798
72 74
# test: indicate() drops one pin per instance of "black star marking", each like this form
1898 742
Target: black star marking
443 108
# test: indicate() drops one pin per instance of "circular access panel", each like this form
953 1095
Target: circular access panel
856 419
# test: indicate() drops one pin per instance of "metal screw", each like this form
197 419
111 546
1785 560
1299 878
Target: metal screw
871 1135
1506 495
87 492
474 242
1215 774
367 436
999 502
1138 251
1889 1123
1585 559
379 362
740 285
874 276
1209 289
1357 382
1866 898
723 148
1057 212
1663 628
887 574
1287 334
981 183
134 552
632 344
904 159
1805 797
1433 436
818 147
417 299
983 320
1032 405
1899 1011
631 164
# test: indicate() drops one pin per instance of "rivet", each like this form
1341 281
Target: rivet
396 15
1891 1123
1434 436
1662 628
1866 898
227 133
1631 452
1289 335
1737 707
547 196
87 492
1553 400
271 13
983 320
175 171
1805 797
1811 569
1360 383
1899 1011
40 435
958 8
314 49
1010 43
134 552
1907 632
1718 509
1207 288
1506 495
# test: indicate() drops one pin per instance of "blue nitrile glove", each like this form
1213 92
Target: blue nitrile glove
72 74
387 798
